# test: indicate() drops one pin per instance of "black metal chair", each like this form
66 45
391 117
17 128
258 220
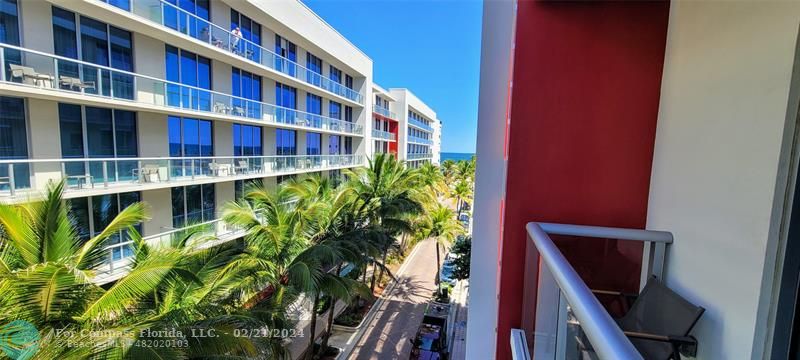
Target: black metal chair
659 322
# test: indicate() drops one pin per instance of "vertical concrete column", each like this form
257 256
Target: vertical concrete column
44 141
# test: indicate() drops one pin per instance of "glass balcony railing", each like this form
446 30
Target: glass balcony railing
37 69
384 111
419 140
120 255
385 135
173 17
420 124
419 156
24 177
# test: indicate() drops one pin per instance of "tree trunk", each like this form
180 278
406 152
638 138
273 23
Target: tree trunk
313 330
438 265
331 311
380 275
372 283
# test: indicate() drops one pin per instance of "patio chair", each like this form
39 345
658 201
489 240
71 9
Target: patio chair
214 168
73 83
221 107
28 75
659 322
238 110
148 172
241 167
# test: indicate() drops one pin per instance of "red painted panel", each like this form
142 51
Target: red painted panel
586 87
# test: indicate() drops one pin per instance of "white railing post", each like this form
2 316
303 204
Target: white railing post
12 185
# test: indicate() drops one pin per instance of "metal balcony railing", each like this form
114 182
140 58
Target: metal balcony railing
419 156
565 308
385 135
21 178
419 140
175 18
420 124
40 70
384 111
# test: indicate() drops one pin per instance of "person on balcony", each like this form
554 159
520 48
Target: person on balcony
236 39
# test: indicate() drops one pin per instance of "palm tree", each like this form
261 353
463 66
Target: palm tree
431 176
462 192
387 191
48 278
339 234
442 226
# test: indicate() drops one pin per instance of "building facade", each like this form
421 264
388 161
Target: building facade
420 129
181 105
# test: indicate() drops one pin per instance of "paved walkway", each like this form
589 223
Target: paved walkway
398 317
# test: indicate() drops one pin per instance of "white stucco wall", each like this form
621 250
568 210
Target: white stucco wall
497 40
718 158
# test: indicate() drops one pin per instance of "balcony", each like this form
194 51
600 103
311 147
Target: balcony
119 258
419 140
570 322
40 71
420 124
383 135
419 156
384 112
175 18
22 179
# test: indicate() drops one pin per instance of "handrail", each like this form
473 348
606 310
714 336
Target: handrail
356 128
384 111
606 337
420 124
419 140
346 92
166 158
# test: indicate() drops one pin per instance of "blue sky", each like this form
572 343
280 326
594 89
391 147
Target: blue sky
430 47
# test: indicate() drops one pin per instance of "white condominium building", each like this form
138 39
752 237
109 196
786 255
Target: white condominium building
179 104
419 131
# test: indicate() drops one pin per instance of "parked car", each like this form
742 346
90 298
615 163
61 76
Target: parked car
447 272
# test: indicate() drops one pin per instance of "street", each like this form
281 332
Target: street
396 321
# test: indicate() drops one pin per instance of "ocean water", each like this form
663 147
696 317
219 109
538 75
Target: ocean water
456 156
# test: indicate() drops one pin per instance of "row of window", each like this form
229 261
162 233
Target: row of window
415 116
418 133
241 25
83 38
418 149
379 101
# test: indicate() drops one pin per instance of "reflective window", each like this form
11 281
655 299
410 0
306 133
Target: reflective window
13 140
188 68
92 132
285 142
313 143
248 86
101 44
247 140
334 145
192 204
335 110
102 209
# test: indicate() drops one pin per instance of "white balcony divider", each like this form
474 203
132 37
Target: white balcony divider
567 312
175 18
45 71
383 111
384 135
130 174
420 124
